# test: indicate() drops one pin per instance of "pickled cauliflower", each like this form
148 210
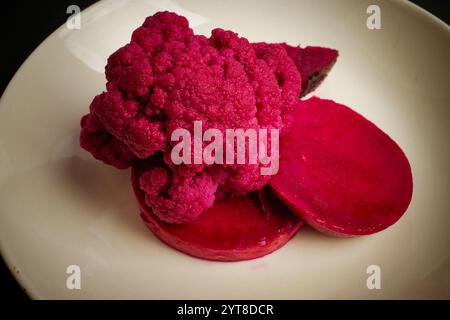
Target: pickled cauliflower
166 78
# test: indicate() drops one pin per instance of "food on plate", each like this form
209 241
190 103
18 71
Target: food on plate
231 230
340 172
166 78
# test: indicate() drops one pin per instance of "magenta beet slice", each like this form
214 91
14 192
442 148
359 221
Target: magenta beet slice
233 229
313 63
340 172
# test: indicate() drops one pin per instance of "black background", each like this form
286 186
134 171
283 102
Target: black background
25 24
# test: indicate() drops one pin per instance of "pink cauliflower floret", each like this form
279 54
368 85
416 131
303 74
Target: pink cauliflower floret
102 145
175 198
165 79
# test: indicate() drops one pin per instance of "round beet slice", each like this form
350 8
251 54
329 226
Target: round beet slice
340 172
233 229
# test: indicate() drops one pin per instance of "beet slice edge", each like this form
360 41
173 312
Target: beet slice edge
340 173
233 229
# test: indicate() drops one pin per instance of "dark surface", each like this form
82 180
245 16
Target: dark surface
25 24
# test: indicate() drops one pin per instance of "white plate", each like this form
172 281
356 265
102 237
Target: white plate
60 207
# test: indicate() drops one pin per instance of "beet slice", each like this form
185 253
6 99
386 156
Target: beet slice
233 229
340 172
313 63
